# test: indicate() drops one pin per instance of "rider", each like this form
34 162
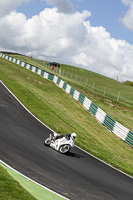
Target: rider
67 136
73 135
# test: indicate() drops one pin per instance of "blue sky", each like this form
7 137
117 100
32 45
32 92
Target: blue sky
106 13
96 35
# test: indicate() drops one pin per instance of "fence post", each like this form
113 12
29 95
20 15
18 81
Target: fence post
105 91
60 71
75 77
93 86
118 96
86 82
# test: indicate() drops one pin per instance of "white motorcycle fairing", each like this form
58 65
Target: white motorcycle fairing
62 145
57 143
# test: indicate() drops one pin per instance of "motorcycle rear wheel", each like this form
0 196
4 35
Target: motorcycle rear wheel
47 142
64 148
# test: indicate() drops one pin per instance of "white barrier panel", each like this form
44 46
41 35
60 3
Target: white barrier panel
18 62
45 75
39 72
120 130
61 84
33 69
6 57
68 88
22 64
87 102
76 95
14 60
100 115
55 79
10 58
27 66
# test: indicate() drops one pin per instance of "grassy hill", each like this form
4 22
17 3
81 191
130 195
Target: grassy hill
103 91
64 115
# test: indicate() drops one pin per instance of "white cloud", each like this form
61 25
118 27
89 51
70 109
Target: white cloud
6 6
54 35
127 20
83 59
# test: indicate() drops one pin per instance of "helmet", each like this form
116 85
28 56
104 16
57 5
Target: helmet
73 135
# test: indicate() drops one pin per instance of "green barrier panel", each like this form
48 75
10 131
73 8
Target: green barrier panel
51 77
129 142
36 70
93 109
58 81
129 138
42 72
20 62
25 64
16 61
109 122
72 91
81 98
30 68
64 86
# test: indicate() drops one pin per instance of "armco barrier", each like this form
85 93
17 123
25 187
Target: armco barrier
118 129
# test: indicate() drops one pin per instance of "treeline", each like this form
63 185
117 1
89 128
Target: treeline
13 53
128 83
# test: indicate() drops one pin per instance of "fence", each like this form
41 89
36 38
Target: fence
101 89
118 129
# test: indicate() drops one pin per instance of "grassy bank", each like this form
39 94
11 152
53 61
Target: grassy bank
83 81
9 185
11 189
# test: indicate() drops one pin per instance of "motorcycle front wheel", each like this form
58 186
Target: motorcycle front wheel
64 148
47 142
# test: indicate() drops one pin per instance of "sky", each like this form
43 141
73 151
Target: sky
96 35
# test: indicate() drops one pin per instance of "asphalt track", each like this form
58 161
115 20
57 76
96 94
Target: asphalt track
76 175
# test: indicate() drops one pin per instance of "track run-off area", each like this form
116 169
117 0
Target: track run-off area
76 175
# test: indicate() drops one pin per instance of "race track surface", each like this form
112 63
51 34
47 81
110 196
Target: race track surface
77 175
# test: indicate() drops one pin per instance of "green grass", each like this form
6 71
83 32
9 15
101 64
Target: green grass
64 115
11 189
121 111
88 79
37 191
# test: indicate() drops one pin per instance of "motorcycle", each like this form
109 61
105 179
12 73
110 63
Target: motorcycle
63 144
